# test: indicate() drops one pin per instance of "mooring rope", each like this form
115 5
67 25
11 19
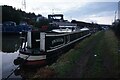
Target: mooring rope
17 68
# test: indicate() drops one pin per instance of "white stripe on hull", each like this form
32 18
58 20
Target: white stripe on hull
69 43
32 58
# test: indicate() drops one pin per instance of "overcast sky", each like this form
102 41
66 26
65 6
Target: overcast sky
99 11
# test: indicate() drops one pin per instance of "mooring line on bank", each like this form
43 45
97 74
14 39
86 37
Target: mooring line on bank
16 68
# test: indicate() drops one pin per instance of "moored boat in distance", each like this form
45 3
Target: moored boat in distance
40 47
10 27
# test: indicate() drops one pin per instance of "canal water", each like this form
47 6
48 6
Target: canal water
10 51
10 46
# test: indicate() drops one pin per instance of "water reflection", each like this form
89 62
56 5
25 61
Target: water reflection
10 46
8 67
10 43
7 63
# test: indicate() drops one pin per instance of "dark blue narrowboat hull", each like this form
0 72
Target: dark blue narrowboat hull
53 46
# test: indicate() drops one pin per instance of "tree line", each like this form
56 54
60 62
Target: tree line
16 15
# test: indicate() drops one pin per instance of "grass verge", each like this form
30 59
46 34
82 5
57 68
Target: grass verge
67 61
106 62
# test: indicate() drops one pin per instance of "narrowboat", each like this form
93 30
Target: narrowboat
10 27
40 47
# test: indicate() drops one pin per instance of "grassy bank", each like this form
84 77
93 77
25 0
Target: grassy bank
106 63
103 60
67 61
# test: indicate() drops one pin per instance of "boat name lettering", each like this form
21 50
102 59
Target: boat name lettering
57 40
